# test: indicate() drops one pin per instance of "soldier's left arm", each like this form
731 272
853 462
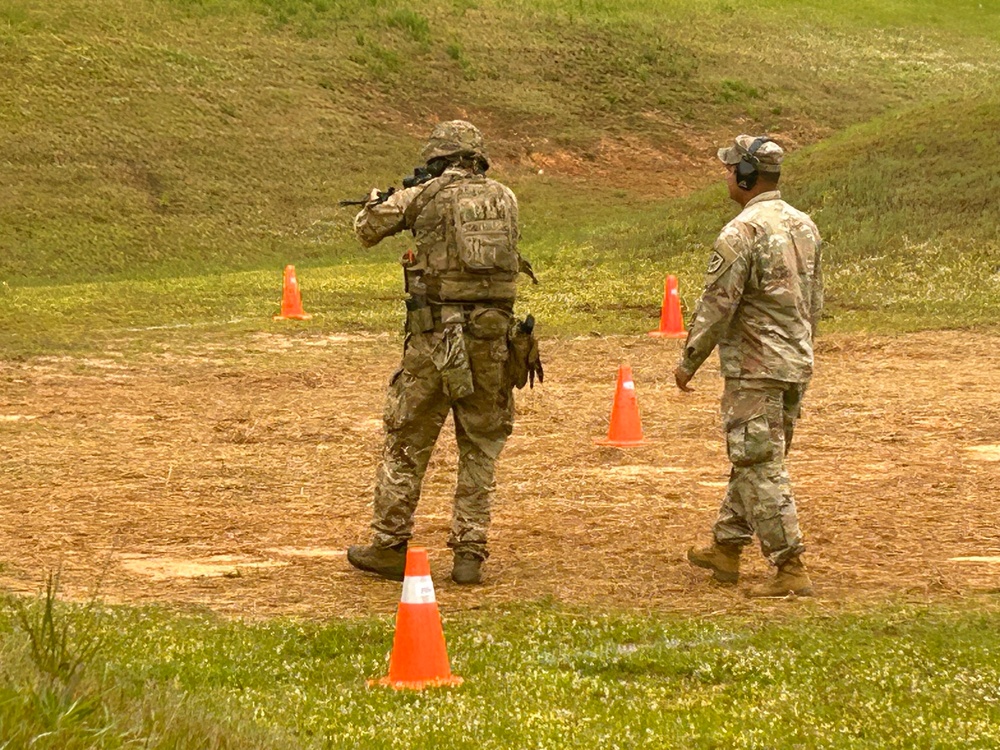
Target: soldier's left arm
728 271
376 221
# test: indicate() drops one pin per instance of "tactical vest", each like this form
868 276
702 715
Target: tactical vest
466 235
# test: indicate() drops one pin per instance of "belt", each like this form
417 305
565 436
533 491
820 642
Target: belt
425 315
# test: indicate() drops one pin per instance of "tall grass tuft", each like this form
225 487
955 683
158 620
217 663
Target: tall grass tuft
61 647
50 695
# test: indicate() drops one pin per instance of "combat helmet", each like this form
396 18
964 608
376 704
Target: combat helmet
455 138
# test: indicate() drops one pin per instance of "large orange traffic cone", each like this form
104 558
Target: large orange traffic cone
671 321
626 427
419 656
291 298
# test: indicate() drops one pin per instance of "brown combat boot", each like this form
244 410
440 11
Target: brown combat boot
722 559
468 569
791 578
388 562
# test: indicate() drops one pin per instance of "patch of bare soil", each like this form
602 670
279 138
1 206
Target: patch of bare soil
678 160
235 479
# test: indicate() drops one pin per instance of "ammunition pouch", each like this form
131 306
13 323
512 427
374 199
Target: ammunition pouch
523 361
419 315
449 315
488 323
472 288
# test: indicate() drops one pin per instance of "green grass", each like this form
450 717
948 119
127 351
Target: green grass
164 159
905 204
171 136
537 675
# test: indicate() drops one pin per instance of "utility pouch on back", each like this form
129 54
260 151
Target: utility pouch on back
485 232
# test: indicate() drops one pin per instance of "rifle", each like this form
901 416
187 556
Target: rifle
434 168
383 196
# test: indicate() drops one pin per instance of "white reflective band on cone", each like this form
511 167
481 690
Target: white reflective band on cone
418 590
629 384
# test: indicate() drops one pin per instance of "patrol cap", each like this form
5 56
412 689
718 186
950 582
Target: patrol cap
769 154
454 138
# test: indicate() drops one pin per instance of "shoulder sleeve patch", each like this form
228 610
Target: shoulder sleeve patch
724 254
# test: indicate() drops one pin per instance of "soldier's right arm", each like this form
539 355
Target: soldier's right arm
728 271
376 221
816 303
515 214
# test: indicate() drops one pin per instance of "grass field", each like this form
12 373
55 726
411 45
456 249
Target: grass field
537 675
902 252
162 160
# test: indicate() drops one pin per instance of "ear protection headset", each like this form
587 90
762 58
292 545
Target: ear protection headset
746 168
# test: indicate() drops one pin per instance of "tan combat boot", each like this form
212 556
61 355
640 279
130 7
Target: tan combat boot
722 559
468 569
388 562
791 578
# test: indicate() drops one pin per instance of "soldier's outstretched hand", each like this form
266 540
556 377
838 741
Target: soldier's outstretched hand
682 377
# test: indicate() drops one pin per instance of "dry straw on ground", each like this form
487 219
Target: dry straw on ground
234 478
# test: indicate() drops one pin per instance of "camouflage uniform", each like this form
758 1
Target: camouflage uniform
762 299
461 282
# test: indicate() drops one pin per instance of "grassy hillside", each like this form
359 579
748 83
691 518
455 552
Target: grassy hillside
906 205
162 159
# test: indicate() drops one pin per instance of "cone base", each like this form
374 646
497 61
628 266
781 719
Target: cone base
668 334
303 316
452 681
620 443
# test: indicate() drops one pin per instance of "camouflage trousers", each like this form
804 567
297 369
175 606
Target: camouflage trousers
416 408
759 419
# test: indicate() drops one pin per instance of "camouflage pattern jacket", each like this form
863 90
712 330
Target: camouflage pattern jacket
465 227
763 295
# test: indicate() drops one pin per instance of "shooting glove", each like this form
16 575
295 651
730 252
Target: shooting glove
523 361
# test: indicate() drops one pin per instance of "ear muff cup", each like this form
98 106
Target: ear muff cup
746 168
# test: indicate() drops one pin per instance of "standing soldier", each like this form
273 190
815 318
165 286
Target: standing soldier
463 352
762 300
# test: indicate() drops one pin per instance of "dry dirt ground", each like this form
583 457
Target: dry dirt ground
233 475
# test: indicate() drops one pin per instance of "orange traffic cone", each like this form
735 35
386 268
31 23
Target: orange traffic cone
419 656
671 321
291 298
626 427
